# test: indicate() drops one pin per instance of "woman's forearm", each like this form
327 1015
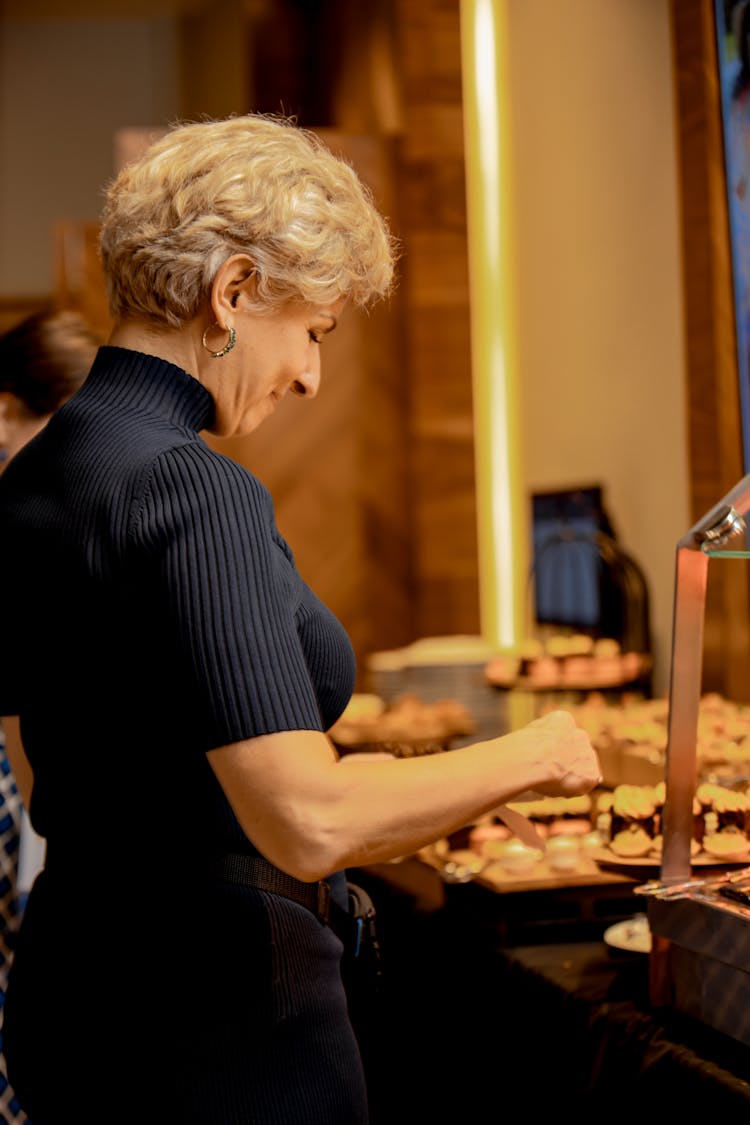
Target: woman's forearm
385 812
311 814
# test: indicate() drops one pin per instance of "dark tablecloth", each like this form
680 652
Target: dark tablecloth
464 1023
578 1022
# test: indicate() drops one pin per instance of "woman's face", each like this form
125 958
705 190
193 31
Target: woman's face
274 352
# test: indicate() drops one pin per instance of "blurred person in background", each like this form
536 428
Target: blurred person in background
183 675
44 359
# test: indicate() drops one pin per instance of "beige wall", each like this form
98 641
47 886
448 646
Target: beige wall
66 86
599 289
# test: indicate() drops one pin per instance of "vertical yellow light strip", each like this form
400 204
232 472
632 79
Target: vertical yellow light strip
502 530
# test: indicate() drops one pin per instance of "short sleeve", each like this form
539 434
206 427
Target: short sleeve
229 593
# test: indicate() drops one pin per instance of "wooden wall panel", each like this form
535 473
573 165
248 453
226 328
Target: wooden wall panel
79 282
433 220
714 422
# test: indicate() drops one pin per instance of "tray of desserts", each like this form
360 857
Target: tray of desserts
631 738
630 821
516 867
614 831
488 852
610 860
408 727
574 662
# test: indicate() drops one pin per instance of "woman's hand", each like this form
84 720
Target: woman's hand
565 755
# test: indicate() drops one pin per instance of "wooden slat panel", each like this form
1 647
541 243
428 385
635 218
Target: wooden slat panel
446 568
714 421
79 283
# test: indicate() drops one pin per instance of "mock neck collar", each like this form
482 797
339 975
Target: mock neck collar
144 382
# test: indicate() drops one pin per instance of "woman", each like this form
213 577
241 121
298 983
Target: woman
194 674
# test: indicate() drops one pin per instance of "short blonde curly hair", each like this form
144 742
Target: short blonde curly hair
252 184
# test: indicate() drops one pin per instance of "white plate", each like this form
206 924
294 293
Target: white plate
633 935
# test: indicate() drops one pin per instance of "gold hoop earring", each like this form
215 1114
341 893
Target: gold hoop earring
227 347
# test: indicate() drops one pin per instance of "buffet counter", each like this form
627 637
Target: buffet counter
490 996
596 1037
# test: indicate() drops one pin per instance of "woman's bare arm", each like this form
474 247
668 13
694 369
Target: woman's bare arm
311 813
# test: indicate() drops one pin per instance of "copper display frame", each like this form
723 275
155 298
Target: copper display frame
700 956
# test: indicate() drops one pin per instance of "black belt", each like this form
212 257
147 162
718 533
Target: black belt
254 871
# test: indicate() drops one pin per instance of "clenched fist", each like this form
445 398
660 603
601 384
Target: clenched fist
567 760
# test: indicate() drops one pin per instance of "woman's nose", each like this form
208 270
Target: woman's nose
306 385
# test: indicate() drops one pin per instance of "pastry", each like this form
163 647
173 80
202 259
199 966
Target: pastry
631 842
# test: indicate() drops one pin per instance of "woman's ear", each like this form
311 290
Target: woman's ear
234 277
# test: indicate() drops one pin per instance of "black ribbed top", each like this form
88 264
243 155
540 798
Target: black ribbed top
158 614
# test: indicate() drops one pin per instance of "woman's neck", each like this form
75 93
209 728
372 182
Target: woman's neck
175 345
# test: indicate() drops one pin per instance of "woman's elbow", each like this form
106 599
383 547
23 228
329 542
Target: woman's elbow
306 852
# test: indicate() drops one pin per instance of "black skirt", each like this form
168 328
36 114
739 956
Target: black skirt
223 1006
